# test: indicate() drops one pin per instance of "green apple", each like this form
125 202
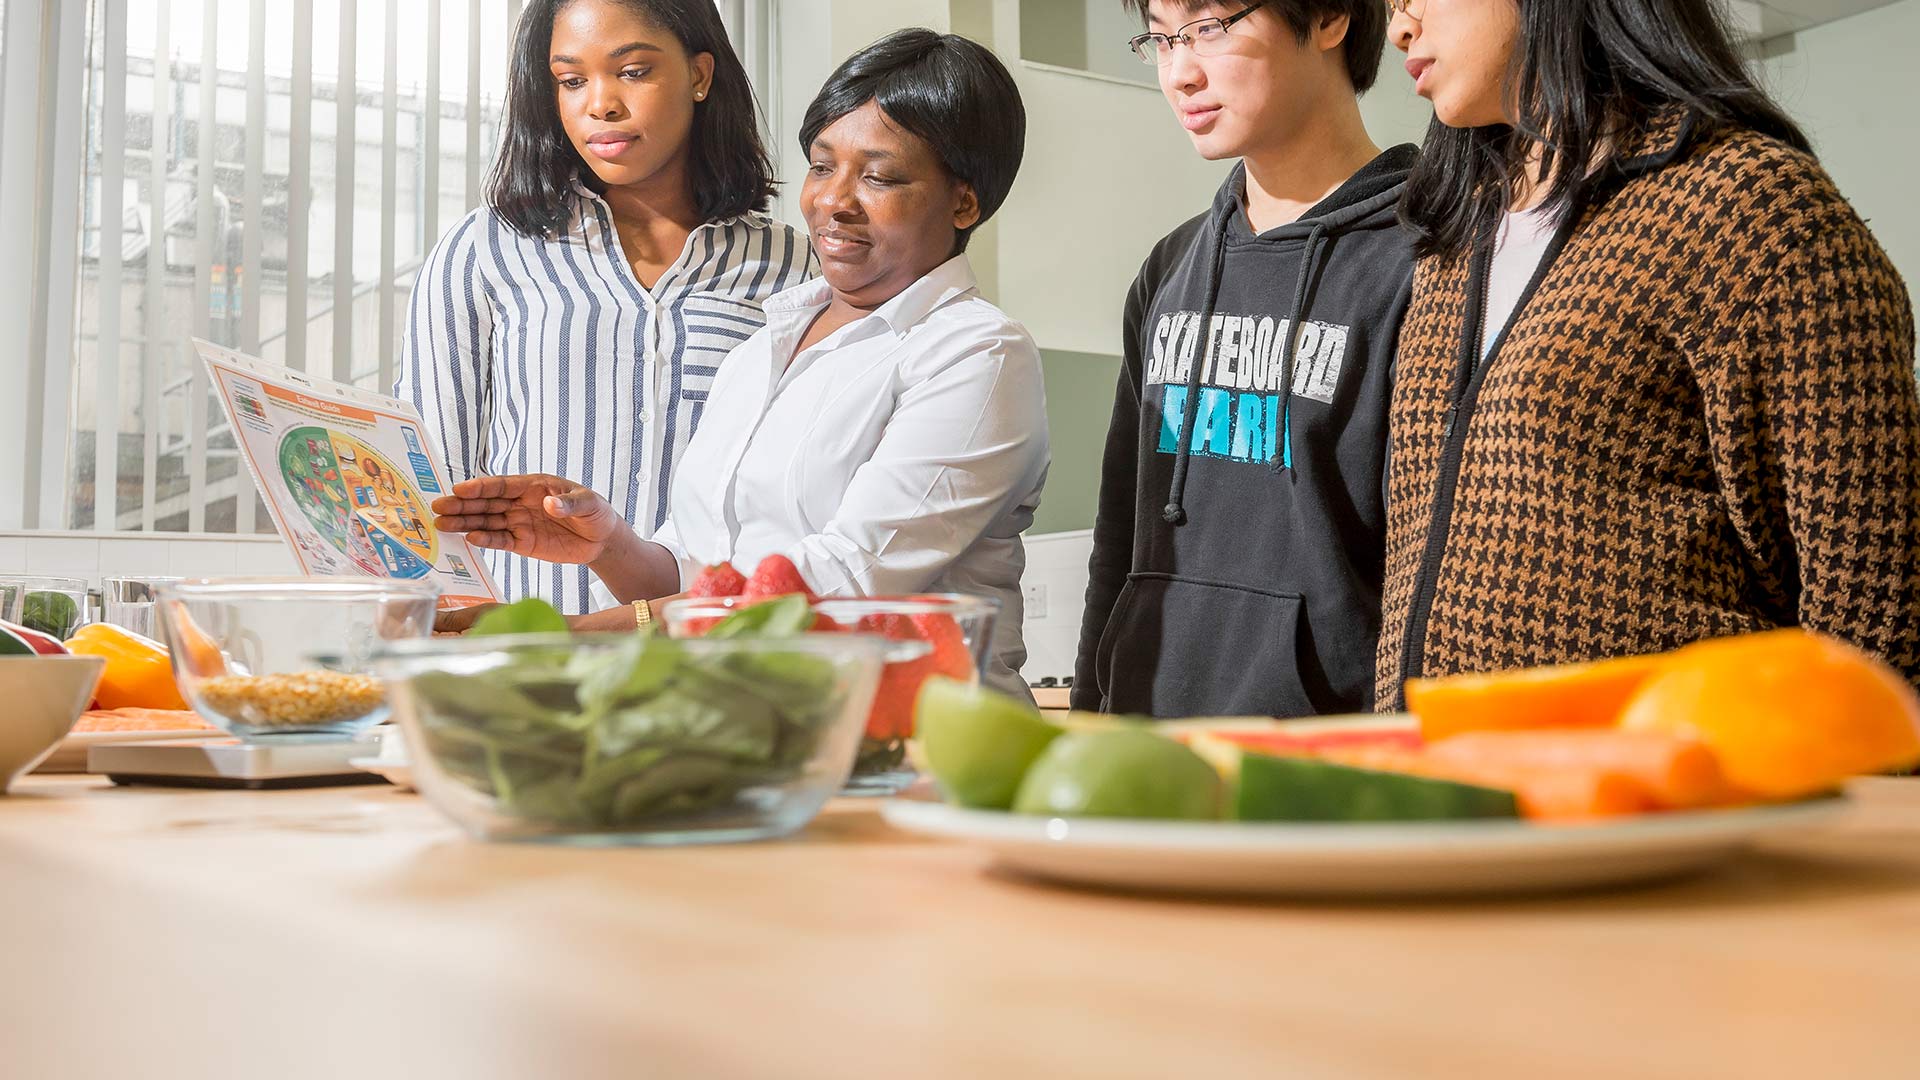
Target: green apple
1126 772
977 743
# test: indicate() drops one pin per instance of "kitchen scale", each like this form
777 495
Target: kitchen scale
287 762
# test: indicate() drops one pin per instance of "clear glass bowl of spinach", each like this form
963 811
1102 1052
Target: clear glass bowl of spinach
632 739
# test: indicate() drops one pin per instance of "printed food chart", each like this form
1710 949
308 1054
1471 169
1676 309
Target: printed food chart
346 474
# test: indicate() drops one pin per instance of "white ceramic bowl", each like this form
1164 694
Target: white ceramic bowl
44 695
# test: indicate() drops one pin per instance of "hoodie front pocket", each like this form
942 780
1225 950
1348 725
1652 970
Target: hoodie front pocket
1179 647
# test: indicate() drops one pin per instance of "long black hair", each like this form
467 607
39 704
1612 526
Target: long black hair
950 92
1586 76
531 185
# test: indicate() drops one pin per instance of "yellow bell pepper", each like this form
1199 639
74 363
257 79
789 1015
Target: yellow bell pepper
138 674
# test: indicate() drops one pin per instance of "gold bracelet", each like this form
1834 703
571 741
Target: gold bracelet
642 616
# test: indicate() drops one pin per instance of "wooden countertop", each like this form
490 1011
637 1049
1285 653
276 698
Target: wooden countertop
352 931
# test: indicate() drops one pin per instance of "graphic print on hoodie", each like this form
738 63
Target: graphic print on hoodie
1238 546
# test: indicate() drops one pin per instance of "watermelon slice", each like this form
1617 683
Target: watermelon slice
1306 789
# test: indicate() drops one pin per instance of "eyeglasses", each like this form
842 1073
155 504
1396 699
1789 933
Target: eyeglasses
1206 37
1396 7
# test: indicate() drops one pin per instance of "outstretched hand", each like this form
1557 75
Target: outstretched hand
543 517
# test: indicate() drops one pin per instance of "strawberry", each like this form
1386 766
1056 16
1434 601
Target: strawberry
776 576
718 580
892 713
891 627
950 656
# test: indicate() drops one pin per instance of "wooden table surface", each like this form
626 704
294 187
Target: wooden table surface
348 932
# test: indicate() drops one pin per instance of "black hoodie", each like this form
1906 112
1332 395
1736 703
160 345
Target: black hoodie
1237 572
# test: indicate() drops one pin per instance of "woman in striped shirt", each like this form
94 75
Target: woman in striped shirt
574 324
887 431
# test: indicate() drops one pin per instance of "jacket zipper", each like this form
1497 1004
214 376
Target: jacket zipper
1470 377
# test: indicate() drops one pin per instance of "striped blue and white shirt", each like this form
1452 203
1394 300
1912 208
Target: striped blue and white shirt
536 355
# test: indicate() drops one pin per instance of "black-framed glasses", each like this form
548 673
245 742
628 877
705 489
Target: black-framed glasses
1206 37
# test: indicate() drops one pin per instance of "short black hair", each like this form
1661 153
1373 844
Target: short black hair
1366 28
950 92
531 186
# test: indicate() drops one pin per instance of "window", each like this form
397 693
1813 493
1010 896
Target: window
266 174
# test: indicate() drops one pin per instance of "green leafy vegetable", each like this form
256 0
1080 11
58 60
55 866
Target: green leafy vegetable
51 613
792 614
606 738
530 616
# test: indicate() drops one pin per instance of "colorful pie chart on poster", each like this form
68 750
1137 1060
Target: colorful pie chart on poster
359 502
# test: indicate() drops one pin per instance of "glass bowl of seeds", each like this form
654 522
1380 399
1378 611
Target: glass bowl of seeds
289 658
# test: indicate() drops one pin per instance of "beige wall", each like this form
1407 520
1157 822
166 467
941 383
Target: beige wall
1107 171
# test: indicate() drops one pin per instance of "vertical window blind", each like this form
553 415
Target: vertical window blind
267 174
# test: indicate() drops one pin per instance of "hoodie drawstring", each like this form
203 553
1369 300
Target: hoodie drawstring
1308 266
1175 512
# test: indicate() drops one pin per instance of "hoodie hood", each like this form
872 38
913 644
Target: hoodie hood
1369 199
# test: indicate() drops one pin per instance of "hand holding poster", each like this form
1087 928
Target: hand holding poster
347 476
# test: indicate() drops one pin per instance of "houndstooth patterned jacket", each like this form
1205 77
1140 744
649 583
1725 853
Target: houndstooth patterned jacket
1702 422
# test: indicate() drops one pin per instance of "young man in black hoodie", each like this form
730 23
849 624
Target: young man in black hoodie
1237 551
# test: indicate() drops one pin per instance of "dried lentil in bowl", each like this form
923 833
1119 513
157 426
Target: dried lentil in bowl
294 700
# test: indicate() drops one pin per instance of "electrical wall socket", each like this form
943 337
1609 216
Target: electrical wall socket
1035 597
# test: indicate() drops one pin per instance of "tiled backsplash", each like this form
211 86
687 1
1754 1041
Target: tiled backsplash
93 556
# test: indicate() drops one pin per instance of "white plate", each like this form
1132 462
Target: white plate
1367 860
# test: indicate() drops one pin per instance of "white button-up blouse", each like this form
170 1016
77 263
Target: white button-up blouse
904 453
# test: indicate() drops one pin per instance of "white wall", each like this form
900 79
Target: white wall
1107 165
1851 84
1107 171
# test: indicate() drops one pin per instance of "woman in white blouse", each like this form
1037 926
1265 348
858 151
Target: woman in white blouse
575 323
886 430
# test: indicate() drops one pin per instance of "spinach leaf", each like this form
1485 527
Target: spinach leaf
615 737
480 697
530 616
638 669
788 615
713 720
685 783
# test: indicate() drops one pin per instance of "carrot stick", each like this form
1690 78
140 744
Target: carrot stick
1560 793
1676 774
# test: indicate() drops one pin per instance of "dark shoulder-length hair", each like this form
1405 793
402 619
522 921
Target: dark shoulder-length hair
950 92
1585 77
531 185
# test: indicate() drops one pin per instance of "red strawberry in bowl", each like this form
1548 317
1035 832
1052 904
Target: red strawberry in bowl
892 713
950 656
776 576
718 580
